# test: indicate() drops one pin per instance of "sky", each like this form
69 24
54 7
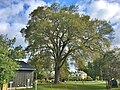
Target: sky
14 14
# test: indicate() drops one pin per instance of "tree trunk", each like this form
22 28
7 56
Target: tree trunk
57 74
108 85
0 87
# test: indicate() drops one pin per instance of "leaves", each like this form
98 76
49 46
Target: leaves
7 64
55 33
108 64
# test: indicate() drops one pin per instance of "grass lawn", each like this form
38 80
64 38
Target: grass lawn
73 86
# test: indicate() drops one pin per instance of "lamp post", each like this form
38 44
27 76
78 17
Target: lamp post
28 83
11 82
51 84
36 82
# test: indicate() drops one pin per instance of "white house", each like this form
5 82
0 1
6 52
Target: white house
80 74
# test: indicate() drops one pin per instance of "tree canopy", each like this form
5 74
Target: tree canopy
58 33
108 66
8 65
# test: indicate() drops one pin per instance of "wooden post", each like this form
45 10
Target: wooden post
4 85
36 82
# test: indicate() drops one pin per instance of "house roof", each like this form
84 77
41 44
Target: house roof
25 66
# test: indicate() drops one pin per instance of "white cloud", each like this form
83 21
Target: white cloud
33 5
4 27
10 11
108 10
13 17
15 30
104 10
116 41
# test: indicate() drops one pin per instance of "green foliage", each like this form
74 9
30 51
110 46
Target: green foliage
90 70
42 75
7 64
17 52
55 33
88 78
7 68
41 66
108 66
64 71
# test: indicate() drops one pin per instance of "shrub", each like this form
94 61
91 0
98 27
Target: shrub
88 78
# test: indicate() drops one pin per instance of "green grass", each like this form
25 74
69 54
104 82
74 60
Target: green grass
73 86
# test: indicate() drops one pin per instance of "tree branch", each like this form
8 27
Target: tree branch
65 56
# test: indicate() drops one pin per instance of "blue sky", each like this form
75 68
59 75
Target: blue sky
14 14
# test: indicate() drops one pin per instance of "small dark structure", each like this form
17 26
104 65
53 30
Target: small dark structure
114 83
24 75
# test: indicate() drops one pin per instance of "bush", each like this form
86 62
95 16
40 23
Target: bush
97 78
88 78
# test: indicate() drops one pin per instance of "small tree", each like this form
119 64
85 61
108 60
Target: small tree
109 66
41 65
90 70
64 73
8 65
